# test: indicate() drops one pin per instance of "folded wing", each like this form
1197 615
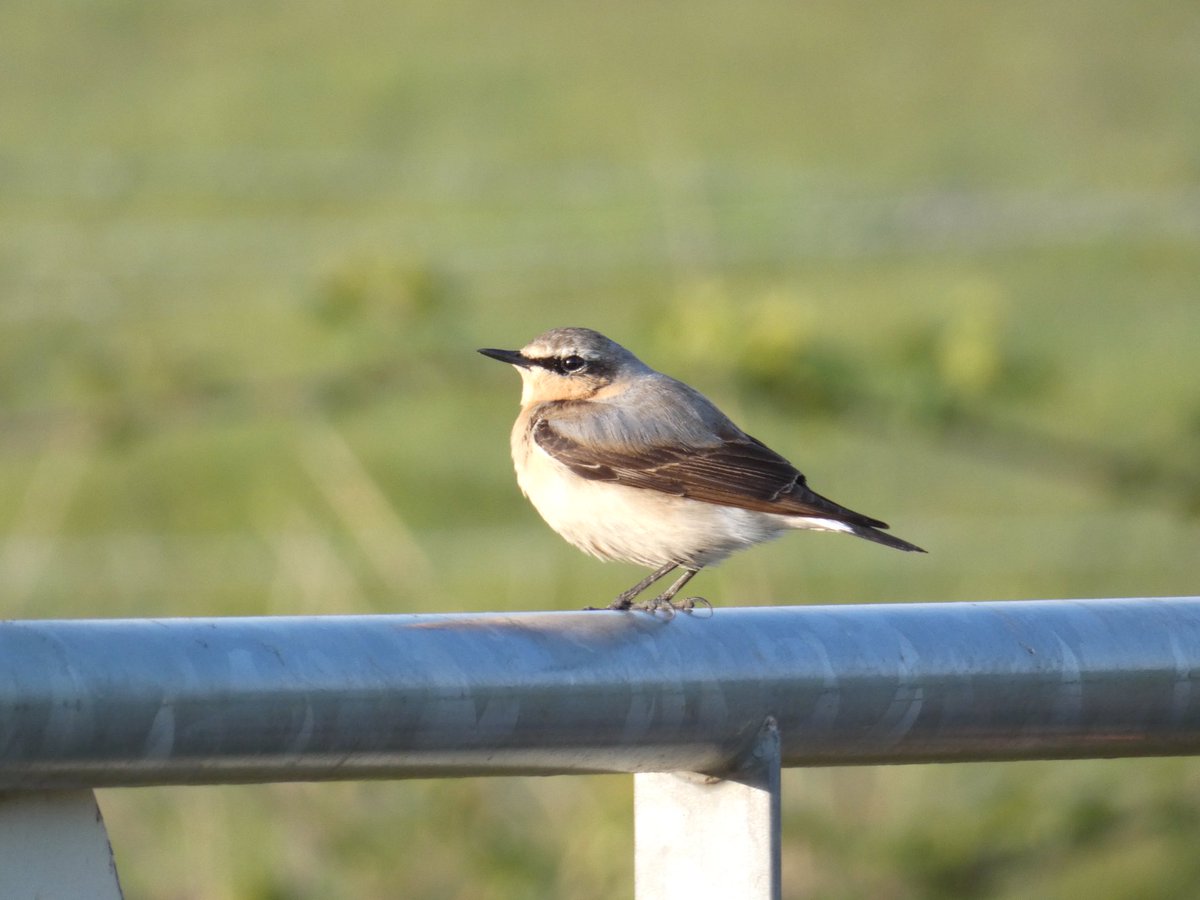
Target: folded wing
737 471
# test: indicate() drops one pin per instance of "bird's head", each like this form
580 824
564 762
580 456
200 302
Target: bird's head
569 364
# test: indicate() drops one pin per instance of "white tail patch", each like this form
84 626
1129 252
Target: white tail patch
811 523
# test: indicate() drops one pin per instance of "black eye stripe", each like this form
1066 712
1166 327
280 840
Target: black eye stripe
570 364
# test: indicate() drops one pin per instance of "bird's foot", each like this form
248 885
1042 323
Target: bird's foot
669 608
663 603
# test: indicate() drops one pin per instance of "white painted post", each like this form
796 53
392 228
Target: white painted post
701 836
53 846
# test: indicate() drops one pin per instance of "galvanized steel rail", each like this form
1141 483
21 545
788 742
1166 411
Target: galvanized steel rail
191 701
737 694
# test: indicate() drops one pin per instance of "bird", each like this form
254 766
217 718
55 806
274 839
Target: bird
632 465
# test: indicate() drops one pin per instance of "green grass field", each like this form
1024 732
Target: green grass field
945 256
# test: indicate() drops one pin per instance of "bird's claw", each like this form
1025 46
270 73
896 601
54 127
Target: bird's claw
669 608
690 604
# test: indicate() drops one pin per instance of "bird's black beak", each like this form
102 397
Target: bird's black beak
513 357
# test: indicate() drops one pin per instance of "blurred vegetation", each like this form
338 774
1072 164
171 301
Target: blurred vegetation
944 256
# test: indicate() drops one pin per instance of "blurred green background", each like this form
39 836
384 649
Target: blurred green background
946 256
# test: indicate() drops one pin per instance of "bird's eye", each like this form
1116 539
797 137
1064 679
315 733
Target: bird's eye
573 363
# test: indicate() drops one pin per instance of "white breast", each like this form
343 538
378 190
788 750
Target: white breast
634 525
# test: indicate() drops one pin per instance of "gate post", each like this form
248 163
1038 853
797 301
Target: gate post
53 846
703 836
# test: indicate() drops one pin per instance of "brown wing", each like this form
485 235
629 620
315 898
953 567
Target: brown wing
740 471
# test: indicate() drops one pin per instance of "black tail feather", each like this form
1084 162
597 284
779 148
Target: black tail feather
882 537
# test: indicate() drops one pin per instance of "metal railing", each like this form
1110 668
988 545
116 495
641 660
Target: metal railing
734 694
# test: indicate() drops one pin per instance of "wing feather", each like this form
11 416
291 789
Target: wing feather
736 470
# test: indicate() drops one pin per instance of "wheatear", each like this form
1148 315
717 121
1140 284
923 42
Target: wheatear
629 464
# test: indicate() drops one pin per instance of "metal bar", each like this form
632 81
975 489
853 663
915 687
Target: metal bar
704 836
54 845
190 701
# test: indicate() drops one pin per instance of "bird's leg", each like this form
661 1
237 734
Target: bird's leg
625 598
665 596
664 599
